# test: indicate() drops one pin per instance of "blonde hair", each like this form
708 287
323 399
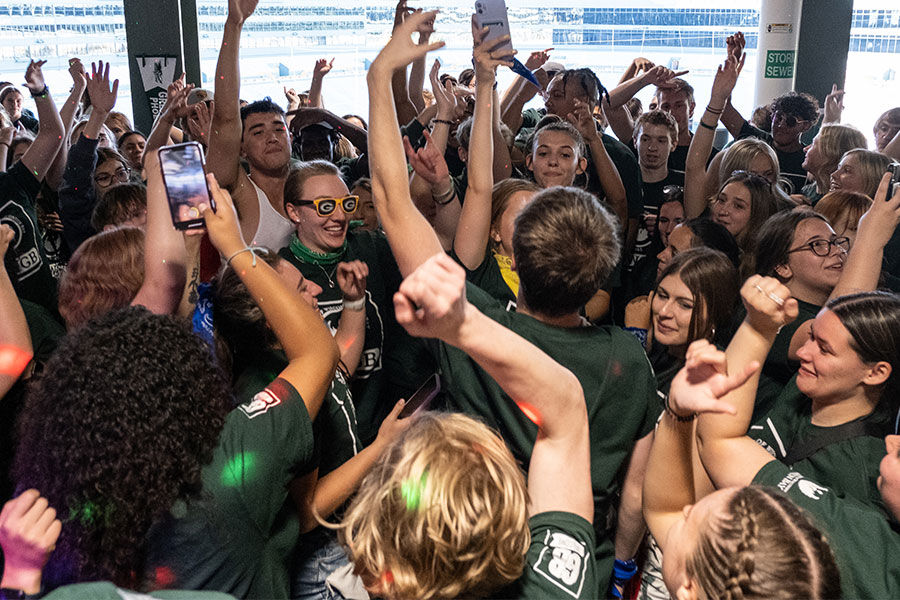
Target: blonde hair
872 167
740 154
442 514
834 141
764 547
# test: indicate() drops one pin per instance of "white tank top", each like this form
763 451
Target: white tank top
273 231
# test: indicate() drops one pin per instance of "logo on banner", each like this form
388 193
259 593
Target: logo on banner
157 72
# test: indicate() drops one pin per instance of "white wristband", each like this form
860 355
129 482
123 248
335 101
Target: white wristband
355 305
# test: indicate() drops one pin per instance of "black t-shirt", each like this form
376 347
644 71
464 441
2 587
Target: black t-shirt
653 199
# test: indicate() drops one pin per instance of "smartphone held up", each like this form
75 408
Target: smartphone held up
184 177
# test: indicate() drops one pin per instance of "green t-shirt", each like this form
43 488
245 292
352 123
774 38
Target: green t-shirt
866 546
850 467
336 430
104 590
619 390
487 277
238 536
559 562
393 364
26 261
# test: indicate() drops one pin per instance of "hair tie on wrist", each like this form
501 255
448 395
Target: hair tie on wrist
355 305
241 251
676 416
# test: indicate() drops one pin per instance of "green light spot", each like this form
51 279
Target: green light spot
240 467
413 491
86 513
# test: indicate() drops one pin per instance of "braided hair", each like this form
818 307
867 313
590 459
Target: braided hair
763 547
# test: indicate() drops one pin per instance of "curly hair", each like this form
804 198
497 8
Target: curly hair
797 104
443 511
764 547
127 412
105 273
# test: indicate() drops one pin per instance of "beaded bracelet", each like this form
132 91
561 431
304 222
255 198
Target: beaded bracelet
43 93
444 121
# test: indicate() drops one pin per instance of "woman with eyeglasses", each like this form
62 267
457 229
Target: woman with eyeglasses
317 201
810 381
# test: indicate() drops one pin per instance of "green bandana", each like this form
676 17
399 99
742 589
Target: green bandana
316 258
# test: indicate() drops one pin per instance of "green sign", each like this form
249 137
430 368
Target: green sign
779 64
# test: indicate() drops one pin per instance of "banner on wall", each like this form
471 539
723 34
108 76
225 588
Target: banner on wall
157 72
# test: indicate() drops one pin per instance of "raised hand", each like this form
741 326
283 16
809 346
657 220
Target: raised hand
703 381
431 302
200 120
401 50
488 56
176 105
401 12
834 105
76 70
538 59
662 77
583 120
427 162
351 278
293 98
726 78
734 45
642 64
322 68
877 224
769 304
34 77
103 96
240 10
28 533
6 136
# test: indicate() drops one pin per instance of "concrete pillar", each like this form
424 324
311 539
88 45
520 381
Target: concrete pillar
779 26
823 46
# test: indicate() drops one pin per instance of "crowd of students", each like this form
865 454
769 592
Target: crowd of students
666 369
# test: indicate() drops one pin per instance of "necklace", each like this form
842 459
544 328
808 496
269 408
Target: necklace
329 277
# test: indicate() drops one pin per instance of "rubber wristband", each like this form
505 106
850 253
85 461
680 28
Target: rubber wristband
707 125
715 111
446 197
4 144
355 305
41 94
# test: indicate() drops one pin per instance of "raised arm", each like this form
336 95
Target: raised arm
174 108
225 135
411 237
637 65
304 117
473 231
517 95
432 303
351 332
67 116
730 117
834 105
417 71
165 259
695 172
6 138
609 177
698 388
769 307
42 151
405 109
320 70
308 344
15 339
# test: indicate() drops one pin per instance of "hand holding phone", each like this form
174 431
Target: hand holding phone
421 400
492 14
184 178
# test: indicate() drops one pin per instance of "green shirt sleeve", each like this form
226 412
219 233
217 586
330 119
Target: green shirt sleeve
266 442
865 544
559 562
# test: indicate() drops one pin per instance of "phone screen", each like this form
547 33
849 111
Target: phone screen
421 400
185 180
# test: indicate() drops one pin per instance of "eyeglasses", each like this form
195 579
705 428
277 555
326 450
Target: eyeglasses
326 206
823 247
780 117
105 179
